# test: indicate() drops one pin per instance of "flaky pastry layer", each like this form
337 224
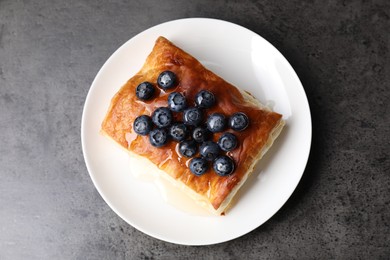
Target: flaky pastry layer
210 190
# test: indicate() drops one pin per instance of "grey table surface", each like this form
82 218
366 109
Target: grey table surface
50 52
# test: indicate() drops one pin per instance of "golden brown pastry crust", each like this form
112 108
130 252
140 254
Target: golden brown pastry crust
193 77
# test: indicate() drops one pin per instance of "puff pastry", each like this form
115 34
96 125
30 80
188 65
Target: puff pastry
211 190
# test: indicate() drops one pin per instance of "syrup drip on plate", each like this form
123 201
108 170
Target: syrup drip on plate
172 195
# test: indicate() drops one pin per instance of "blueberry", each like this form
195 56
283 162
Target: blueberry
192 116
198 166
187 148
178 131
142 125
145 90
209 150
216 122
205 99
158 137
162 117
201 134
167 79
223 165
227 142
177 102
239 121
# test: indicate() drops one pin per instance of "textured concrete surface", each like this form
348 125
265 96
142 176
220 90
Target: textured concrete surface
50 51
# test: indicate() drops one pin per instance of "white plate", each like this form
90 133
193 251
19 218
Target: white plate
244 59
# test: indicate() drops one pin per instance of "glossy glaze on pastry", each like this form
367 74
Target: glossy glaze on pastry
192 76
